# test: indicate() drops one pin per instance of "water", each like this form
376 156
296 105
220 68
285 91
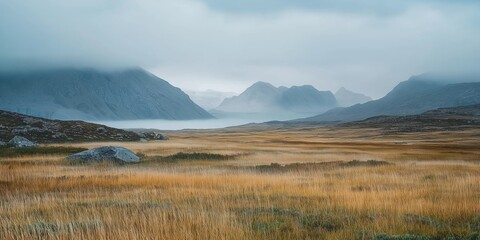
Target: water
222 120
179 125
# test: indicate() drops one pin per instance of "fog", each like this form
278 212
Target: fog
366 46
175 125
190 124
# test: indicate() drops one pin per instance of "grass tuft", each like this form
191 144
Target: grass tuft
7 151
198 156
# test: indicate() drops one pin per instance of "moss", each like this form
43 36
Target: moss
7 151
198 156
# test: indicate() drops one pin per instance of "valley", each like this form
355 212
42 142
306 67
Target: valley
239 120
304 182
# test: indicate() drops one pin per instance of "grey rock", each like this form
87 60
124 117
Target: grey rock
159 136
2 143
19 141
112 153
101 130
152 136
59 135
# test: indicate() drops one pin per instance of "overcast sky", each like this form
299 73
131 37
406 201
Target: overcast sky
366 46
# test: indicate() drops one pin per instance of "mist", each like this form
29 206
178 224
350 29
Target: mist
199 45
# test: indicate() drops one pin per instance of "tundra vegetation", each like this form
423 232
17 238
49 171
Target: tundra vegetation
313 183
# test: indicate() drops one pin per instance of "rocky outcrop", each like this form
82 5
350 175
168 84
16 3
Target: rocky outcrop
19 141
108 153
43 130
152 135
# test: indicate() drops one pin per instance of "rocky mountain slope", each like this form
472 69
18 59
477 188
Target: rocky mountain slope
416 95
43 130
442 119
347 98
263 97
89 94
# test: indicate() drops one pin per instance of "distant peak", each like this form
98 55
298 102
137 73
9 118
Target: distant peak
262 84
304 86
342 90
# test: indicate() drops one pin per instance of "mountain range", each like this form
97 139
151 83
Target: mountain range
416 95
89 94
263 97
209 99
347 98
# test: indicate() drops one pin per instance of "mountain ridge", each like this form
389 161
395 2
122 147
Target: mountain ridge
89 94
347 98
264 97
416 95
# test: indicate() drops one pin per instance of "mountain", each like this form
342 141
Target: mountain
89 94
209 99
263 97
416 95
347 98
441 119
307 99
259 97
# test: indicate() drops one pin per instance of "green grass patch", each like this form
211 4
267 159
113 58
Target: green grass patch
18 152
402 237
198 156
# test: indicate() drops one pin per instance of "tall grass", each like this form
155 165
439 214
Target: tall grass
421 197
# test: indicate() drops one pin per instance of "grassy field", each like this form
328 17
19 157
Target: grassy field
290 184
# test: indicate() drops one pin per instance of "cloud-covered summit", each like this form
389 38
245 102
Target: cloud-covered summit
228 45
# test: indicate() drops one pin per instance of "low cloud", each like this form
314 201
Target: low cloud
213 45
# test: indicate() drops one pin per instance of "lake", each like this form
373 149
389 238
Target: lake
180 124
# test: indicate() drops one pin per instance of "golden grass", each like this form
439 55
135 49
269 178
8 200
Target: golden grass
431 189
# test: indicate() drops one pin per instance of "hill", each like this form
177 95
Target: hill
43 130
442 119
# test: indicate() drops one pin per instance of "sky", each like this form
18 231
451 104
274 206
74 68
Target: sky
366 46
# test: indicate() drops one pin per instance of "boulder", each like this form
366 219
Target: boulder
2 143
153 136
101 130
19 141
111 153
159 136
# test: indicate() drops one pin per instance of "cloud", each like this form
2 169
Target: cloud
213 44
375 7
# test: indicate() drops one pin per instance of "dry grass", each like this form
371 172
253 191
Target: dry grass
430 190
